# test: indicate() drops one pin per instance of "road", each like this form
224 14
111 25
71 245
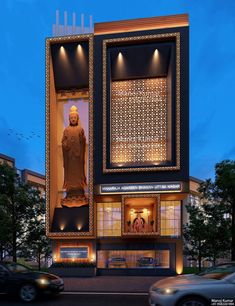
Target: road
76 299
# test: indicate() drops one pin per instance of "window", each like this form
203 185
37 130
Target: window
170 218
137 259
109 219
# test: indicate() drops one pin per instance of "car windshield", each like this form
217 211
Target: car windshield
218 272
17 268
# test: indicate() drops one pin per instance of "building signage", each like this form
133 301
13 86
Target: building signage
134 188
76 252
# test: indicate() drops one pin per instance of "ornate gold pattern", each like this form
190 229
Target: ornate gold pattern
138 122
157 37
91 232
150 234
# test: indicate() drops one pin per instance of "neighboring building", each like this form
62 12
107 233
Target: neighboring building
27 176
7 159
129 82
34 179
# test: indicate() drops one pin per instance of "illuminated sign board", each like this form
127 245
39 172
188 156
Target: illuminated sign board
137 188
76 252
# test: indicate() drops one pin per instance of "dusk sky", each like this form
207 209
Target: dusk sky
24 26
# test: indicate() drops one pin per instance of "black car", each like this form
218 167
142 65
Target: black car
28 284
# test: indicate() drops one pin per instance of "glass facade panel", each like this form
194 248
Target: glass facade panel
137 259
108 219
170 218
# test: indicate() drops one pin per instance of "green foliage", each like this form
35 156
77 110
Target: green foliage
195 234
225 182
22 212
190 270
207 235
210 230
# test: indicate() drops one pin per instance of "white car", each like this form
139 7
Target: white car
211 287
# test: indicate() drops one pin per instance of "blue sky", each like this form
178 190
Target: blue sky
24 26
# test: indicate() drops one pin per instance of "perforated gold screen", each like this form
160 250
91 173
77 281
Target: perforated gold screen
138 122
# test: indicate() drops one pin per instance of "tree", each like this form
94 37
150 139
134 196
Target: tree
225 183
36 242
218 240
20 204
215 211
4 233
195 234
207 234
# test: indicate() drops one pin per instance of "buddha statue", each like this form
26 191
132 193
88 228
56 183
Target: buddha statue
74 152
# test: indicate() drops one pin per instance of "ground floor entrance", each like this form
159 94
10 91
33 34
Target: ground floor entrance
133 258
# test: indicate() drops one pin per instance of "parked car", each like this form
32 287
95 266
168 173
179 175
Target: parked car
117 262
26 283
147 262
195 289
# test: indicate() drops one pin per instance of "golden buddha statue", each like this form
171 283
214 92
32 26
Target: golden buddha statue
74 152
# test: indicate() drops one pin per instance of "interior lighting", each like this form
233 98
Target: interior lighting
62 226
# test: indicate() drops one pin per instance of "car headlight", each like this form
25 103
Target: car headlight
42 281
165 291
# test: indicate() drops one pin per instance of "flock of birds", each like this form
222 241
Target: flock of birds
21 136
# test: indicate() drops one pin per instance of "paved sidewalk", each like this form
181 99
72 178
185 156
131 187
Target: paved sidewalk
110 283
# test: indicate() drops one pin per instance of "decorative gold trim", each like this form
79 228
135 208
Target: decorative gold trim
150 234
157 37
69 235
47 136
72 94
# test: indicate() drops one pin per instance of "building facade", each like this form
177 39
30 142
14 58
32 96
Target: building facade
30 177
118 178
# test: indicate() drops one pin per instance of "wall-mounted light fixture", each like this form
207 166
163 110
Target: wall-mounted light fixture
63 56
155 56
62 50
156 52
120 56
62 226
79 48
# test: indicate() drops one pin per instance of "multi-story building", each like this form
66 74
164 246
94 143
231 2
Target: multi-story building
27 176
118 176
